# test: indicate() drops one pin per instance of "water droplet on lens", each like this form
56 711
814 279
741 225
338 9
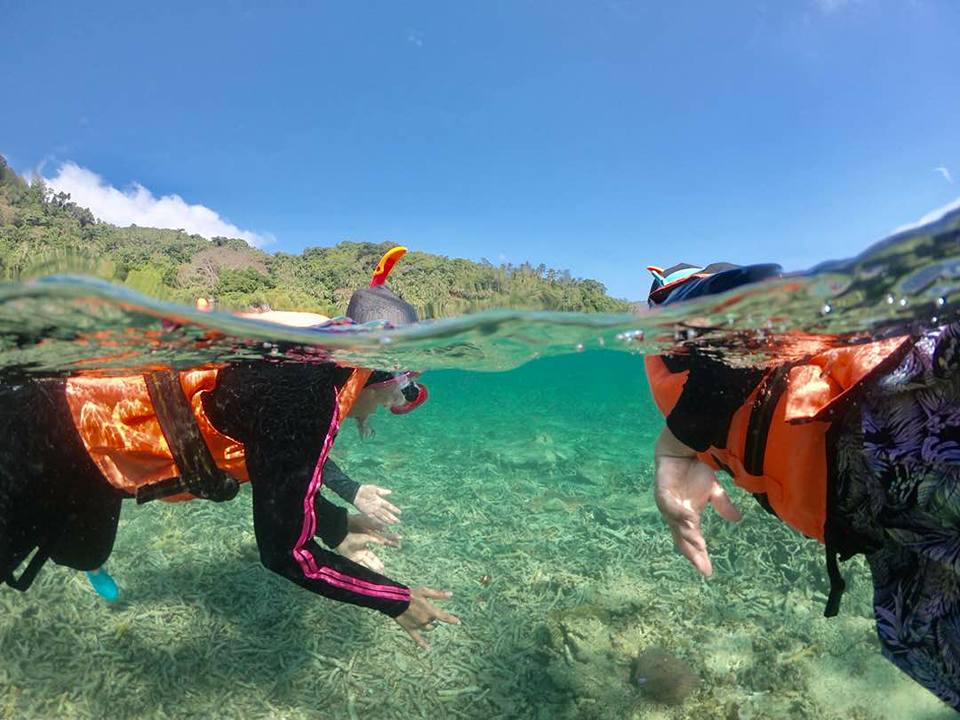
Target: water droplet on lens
630 335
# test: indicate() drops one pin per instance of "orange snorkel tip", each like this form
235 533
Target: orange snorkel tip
386 264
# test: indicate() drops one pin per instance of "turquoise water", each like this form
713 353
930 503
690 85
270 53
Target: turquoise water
539 478
526 490
64 324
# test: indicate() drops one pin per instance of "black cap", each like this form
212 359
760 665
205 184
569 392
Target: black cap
714 279
380 303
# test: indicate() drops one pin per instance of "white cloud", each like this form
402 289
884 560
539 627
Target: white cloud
945 172
415 37
829 6
138 206
930 217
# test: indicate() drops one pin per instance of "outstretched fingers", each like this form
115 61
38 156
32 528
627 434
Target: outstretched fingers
391 508
393 539
385 538
375 538
436 612
386 516
698 557
435 594
422 616
724 505
369 560
382 493
689 541
418 639
379 507
445 617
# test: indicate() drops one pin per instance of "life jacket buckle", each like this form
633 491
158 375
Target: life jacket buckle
199 474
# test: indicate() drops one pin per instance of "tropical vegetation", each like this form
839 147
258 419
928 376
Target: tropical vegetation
42 231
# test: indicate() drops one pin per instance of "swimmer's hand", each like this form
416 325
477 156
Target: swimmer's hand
684 487
367 525
422 615
371 500
362 532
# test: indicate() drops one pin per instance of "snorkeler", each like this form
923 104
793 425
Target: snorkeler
350 536
74 448
855 446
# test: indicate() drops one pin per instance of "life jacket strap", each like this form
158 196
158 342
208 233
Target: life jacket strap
837 583
163 489
199 474
29 574
761 416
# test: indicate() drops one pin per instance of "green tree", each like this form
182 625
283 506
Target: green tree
43 229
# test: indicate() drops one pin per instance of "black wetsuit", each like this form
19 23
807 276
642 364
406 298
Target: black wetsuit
338 481
53 497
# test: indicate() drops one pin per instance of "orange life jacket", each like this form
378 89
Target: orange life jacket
118 424
777 441
121 430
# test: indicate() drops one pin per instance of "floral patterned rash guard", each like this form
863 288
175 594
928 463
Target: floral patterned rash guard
898 477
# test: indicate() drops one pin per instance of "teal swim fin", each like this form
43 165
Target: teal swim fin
105 585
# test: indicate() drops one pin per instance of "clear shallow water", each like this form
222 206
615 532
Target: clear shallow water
70 323
526 490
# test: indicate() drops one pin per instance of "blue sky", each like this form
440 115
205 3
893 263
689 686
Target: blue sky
596 136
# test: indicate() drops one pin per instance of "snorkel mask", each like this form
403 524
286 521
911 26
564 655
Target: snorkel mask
414 393
379 303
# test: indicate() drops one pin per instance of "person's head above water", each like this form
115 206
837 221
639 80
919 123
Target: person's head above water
378 303
397 391
685 282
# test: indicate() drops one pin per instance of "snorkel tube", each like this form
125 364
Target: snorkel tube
379 303
386 264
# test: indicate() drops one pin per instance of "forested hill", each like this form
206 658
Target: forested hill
43 231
